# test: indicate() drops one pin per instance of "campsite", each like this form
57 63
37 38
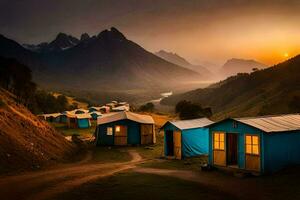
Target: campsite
149 100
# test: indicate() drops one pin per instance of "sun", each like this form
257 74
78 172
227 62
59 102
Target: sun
286 55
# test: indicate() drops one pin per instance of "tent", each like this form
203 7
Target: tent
125 128
257 144
186 138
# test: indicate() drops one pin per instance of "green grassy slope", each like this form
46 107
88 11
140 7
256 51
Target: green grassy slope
269 91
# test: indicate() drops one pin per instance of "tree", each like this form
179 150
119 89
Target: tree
148 107
189 110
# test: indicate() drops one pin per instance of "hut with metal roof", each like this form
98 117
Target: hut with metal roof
83 120
125 128
95 115
186 138
257 144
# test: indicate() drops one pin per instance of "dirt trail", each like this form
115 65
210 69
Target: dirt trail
46 184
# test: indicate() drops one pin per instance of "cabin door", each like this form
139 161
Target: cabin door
147 133
169 143
120 137
177 144
232 147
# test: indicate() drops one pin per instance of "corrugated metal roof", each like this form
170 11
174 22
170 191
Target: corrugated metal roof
279 123
83 116
189 124
112 117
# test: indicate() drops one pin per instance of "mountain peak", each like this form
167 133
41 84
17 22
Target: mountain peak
113 33
84 36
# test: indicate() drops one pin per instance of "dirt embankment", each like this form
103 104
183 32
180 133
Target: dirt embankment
27 142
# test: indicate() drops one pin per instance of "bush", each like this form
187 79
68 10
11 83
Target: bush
148 107
189 110
2 103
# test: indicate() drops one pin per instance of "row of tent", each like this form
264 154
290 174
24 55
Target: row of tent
80 118
259 144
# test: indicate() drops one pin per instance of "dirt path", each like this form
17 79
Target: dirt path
46 184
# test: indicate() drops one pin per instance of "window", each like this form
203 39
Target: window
252 146
219 141
118 129
109 131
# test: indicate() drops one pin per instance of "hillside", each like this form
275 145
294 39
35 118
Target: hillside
273 90
180 61
235 66
25 141
108 61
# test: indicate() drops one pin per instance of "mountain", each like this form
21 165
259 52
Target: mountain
235 66
27 142
180 61
108 61
61 42
274 90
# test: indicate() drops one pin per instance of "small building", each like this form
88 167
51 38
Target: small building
94 109
186 138
120 108
95 115
79 111
125 128
83 120
257 144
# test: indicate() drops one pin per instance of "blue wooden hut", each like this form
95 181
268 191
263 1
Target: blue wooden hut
259 144
83 120
95 115
125 128
186 138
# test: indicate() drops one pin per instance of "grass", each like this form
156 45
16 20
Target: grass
185 164
143 186
110 154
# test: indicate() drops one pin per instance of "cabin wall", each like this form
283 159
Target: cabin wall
241 129
195 142
133 133
83 123
281 149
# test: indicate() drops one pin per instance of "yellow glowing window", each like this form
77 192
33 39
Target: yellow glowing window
109 131
219 141
118 129
252 144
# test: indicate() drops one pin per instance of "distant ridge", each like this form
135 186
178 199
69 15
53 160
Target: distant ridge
107 61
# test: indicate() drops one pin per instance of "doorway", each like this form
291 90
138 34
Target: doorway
169 143
232 149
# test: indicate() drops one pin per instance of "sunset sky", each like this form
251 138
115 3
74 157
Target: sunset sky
214 31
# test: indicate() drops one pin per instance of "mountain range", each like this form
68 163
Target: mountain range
107 61
234 66
178 60
274 90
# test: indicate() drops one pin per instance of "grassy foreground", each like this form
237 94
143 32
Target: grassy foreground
143 186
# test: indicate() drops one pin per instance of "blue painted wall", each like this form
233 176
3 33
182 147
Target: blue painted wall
83 123
63 119
281 149
241 129
194 142
133 132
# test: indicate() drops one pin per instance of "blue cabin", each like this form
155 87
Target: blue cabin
186 138
125 128
259 144
83 120
95 115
